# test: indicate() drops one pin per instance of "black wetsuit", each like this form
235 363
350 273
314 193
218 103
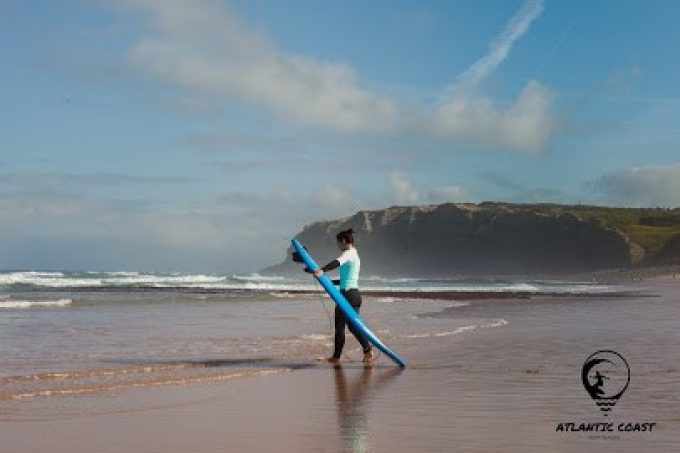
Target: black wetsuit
353 296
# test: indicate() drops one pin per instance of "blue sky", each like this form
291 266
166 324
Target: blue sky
201 135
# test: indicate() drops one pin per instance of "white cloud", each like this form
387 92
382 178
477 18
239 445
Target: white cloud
515 191
401 189
337 198
202 47
651 185
447 194
500 47
623 80
526 125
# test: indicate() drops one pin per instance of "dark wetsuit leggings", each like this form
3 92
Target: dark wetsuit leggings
354 298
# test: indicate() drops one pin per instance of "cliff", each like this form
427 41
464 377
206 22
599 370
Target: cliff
498 238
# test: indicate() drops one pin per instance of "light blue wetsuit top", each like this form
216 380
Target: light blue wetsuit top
350 264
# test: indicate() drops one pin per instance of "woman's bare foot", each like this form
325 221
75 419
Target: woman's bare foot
369 357
333 359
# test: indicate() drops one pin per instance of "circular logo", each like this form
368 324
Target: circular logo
605 376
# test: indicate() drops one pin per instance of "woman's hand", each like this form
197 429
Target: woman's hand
318 273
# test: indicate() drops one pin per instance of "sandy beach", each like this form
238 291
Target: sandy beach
494 374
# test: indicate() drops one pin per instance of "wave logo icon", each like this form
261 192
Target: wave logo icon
605 376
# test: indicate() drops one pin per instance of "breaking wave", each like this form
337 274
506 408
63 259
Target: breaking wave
20 280
8 304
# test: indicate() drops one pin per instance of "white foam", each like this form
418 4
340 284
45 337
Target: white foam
162 280
443 334
386 299
253 282
47 279
316 337
376 278
35 303
458 304
59 280
259 282
271 286
255 277
498 323
284 295
121 273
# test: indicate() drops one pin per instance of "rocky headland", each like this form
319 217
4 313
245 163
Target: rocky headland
502 239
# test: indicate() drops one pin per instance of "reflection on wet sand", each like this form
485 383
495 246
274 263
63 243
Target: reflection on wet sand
351 396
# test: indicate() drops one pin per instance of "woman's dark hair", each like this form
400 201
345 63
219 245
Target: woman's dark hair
346 236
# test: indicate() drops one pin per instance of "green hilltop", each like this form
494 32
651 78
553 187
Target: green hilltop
649 230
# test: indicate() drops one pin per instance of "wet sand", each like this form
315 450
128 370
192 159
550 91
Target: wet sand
500 388
667 278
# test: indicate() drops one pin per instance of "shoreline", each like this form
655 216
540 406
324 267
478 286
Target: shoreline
368 292
479 295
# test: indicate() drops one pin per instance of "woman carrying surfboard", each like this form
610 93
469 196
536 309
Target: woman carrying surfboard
352 317
349 264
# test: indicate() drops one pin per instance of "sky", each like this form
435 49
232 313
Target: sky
200 135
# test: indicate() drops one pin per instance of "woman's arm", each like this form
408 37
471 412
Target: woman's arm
328 267
333 264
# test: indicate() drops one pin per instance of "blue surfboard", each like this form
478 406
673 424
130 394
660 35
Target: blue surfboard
349 311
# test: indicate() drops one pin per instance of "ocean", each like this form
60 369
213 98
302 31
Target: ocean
64 333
